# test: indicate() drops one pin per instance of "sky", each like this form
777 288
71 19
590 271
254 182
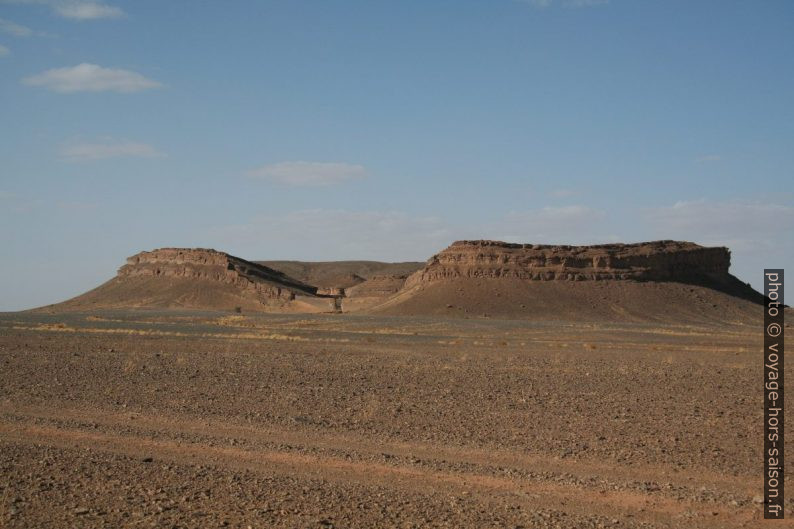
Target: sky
385 130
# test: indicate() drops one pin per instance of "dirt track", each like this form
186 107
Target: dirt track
170 419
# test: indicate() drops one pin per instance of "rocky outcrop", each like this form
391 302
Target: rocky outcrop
377 286
467 278
659 260
265 284
331 292
340 274
374 291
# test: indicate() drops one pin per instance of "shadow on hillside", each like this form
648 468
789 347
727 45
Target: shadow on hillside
730 285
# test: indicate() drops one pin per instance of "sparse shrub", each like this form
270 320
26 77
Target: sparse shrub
238 310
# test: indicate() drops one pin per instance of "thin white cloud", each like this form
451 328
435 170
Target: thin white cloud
575 224
330 234
708 158
584 3
757 233
75 206
85 152
337 234
563 193
745 225
309 173
4 51
76 9
565 3
560 215
87 77
87 10
12 28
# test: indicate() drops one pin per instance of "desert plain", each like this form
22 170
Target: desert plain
185 419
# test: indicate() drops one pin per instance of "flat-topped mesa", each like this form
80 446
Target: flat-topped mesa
658 260
211 265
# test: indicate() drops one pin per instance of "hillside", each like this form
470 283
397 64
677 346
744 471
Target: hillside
654 281
340 274
198 278
611 300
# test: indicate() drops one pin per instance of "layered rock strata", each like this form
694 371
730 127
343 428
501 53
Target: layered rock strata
658 260
264 283
378 286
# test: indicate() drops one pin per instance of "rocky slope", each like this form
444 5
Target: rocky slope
341 274
199 278
660 281
372 292
261 281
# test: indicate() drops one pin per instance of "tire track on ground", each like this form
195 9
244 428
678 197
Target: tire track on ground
642 506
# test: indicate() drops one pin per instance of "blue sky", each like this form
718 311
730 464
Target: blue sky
329 129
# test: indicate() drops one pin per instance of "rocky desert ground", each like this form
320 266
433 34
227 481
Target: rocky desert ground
168 418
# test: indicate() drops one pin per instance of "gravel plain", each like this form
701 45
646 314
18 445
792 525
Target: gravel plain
204 419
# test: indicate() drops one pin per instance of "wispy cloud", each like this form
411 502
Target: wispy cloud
76 9
758 233
574 224
563 193
396 235
91 78
584 3
75 206
551 214
337 234
741 225
309 173
87 10
12 28
4 51
706 158
85 152
565 3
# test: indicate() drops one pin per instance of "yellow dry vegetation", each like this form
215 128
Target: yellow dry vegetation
237 320
62 327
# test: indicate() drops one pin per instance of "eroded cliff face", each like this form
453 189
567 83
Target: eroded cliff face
539 281
377 286
659 260
197 263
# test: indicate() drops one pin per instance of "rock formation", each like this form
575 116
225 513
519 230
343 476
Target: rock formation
378 286
334 292
659 260
259 281
340 274
374 291
659 281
